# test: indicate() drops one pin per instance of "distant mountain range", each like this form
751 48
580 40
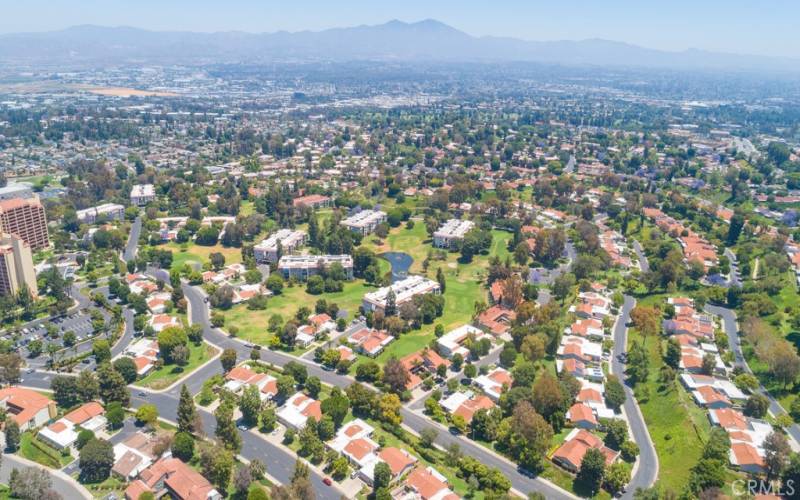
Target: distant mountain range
428 41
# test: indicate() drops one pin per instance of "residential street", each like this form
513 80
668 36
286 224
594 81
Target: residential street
646 471
199 313
734 342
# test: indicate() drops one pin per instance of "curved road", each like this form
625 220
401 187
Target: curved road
133 240
646 471
735 344
60 482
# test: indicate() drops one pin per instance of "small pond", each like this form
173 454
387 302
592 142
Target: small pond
400 262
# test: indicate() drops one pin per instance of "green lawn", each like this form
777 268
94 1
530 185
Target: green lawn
33 449
252 325
167 374
190 253
677 426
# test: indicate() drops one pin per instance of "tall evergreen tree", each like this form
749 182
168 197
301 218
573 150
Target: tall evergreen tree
187 413
226 429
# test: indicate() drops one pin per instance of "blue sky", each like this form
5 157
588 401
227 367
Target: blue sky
755 27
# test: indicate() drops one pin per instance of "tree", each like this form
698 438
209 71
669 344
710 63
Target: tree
286 385
672 355
268 419
65 390
616 477
362 400
10 364
647 320
112 385
217 465
756 406
336 406
180 355
391 304
389 407
547 399
615 392
784 364
528 437
31 483
250 405
147 414
427 436
441 279
168 339
638 363
242 479
314 385
187 413
300 487
791 473
115 414
382 476
395 375
183 446
616 433
101 350
12 435
228 359
127 368
88 386
226 431
593 467
776 453
84 437
96 461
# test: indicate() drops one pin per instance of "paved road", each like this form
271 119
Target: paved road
643 264
199 314
647 469
735 278
127 334
734 343
133 240
67 487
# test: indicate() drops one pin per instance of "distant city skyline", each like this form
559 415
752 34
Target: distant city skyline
744 27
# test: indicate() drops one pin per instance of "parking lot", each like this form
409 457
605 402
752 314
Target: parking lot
79 323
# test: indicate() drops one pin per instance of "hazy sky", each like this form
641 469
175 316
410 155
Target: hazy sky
754 26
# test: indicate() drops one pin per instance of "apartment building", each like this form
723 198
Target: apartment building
365 221
288 240
312 201
301 267
404 290
109 211
451 233
16 266
142 194
26 219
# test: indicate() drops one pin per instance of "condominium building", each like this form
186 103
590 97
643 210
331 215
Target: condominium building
16 266
365 221
110 211
451 233
312 201
404 290
303 266
26 219
289 240
142 194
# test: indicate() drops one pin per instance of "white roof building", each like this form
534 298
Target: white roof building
404 290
